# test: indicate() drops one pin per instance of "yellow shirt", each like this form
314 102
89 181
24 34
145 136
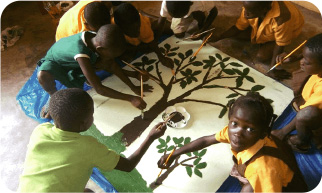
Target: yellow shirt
269 29
146 33
72 22
266 173
312 92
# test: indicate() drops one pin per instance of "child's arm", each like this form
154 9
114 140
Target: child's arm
195 145
160 27
208 21
128 164
94 80
277 50
231 32
292 58
168 62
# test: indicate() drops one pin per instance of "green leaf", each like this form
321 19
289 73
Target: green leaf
229 71
195 73
160 146
189 80
189 53
195 153
168 139
203 152
239 81
222 65
188 71
213 86
212 59
175 140
150 68
235 64
180 140
151 61
162 141
201 165
171 54
188 154
181 56
167 46
176 61
222 112
250 79
161 150
196 162
137 64
145 59
174 49
194 79
180 145
187 140
184 73
207 66
189 171
245 71
218 56
237 71
226 59
257 88
197 172
197 63
170 148
162 50
232 95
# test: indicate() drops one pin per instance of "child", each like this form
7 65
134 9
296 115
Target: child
266 166
182 13
84 16
73 60
272 25
59 159
308 119
138 31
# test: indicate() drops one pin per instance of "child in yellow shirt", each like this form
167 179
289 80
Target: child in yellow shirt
308 119
262 163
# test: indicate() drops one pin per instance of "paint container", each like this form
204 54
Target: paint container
178 121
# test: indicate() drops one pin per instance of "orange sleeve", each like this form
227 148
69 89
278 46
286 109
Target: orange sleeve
222 135
242 23
312 92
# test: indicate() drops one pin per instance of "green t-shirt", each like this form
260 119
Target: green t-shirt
62 161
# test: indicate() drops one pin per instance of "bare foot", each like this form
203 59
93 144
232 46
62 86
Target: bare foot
44 113
298 145
279 134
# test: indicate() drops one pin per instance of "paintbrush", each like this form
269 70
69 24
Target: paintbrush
174 74
142 112
170 117
166 161
140 71
279 63
192 36
203 43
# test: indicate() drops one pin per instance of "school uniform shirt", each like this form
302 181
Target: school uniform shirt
312 92
179 25
266 173
270 29
62 161
146 32
61 60
72 22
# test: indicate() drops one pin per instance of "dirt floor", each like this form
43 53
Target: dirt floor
19 61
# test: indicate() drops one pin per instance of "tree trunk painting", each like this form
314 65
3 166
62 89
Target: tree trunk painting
225 70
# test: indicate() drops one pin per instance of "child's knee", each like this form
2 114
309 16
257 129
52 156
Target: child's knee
44 76
311 115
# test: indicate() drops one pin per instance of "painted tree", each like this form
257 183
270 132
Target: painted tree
188 71
192 162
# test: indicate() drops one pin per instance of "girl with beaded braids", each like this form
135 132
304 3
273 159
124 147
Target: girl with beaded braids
262 163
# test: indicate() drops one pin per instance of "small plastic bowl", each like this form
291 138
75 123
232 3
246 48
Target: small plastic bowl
179 109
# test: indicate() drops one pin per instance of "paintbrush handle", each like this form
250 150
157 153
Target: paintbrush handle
199 33
203 43
140 71
166 161
288 55
166 120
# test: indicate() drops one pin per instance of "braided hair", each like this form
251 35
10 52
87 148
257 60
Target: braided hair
259 104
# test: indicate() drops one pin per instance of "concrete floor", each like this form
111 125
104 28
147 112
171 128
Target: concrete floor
18 63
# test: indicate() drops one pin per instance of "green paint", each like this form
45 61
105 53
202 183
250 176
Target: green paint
122 181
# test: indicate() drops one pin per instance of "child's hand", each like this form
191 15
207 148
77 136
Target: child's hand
167 62
161 162
280 74
138 102
279 58
158 130
145 76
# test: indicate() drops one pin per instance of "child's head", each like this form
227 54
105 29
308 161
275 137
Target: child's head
254 9
110 41
250 119
312 56
178 9
96 15
127 17
72 109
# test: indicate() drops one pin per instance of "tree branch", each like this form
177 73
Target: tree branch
201 101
